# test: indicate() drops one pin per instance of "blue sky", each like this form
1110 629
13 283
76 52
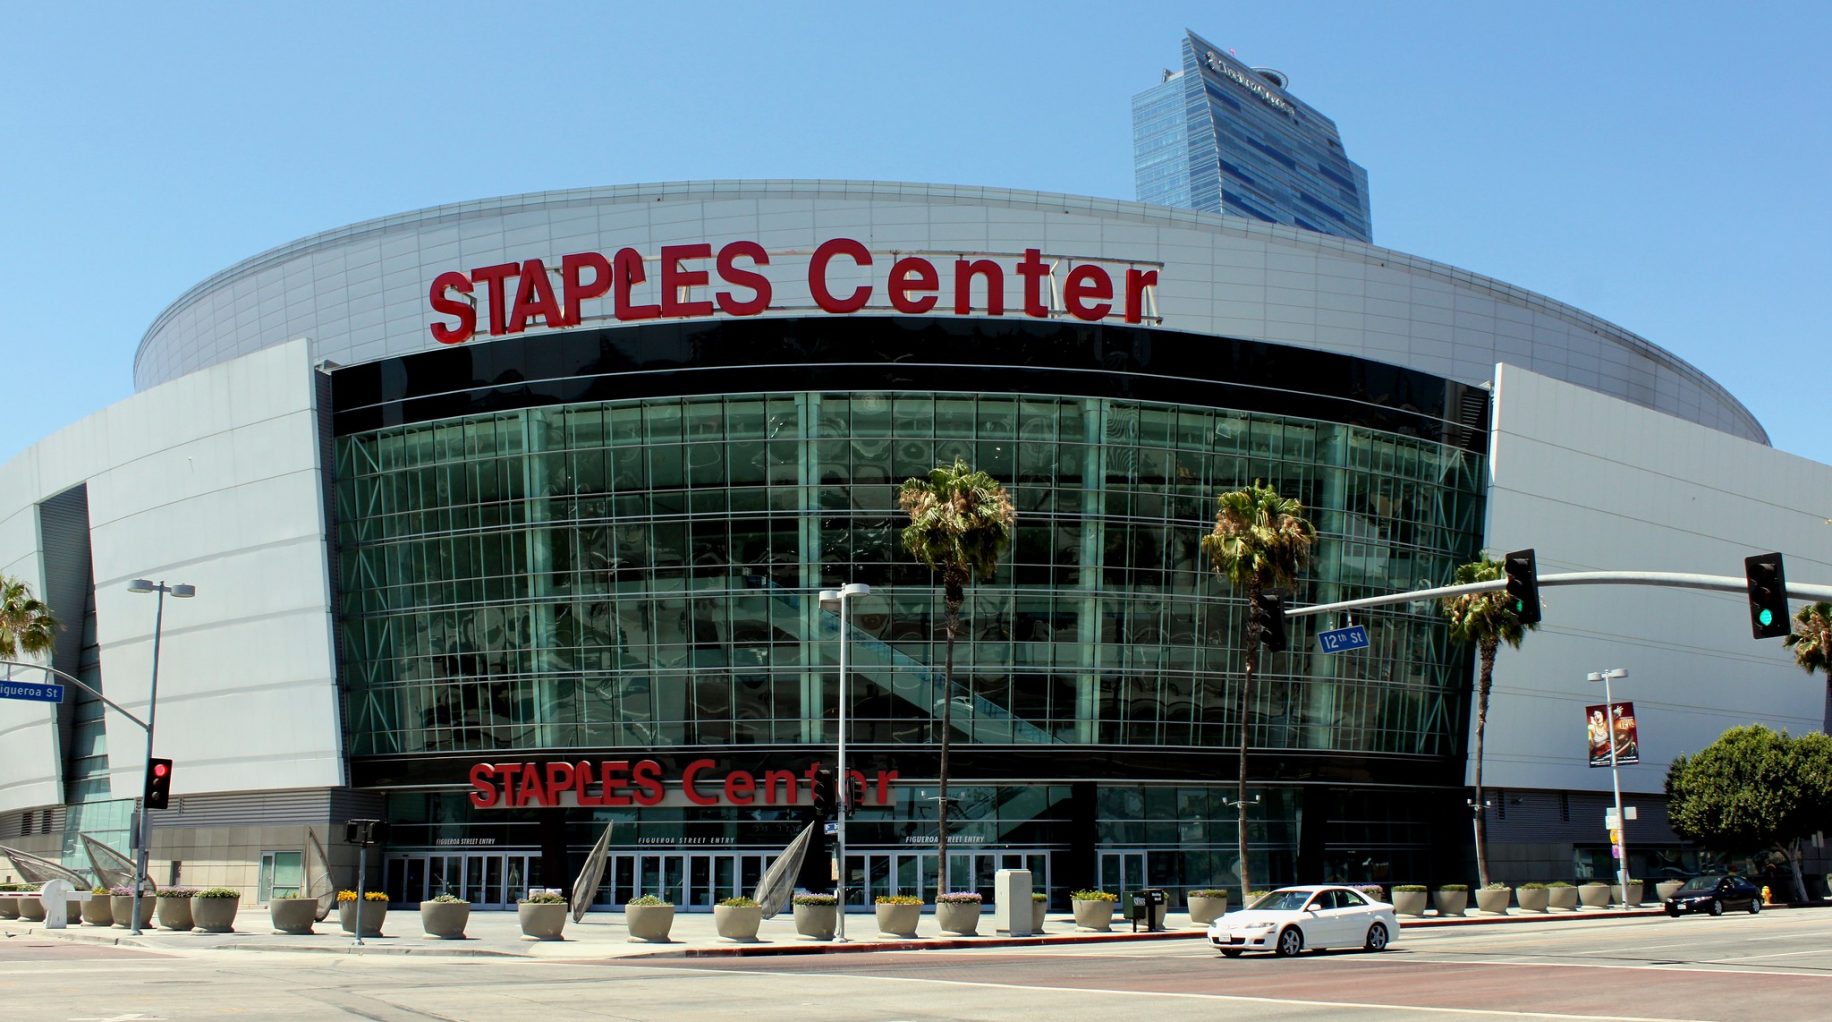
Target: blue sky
1662 165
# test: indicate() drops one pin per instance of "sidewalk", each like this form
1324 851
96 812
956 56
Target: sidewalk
601 935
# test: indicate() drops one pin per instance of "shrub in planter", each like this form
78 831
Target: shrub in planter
121 906
898 914
1560 894
1208 905
31 909
374 911
816 915
294 914
1094 909
444 916
213 909
649 918
958 912
737 918
1633 896
174 911
98 910
9 902
1493 899
1375 892
1593 894
1451 899
1409 899
1664 889
542 915
1040 907
1532 896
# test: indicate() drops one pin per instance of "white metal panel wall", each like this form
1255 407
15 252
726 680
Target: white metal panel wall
1593 484
211 479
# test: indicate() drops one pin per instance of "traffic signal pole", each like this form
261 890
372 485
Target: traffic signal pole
1665 579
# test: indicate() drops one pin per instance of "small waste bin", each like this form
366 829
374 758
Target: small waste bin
1146 907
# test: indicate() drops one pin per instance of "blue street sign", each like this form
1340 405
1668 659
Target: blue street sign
28 690
1338 639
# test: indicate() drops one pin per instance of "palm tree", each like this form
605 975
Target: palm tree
1260 542
1486 620
1811 641
26 625
960 524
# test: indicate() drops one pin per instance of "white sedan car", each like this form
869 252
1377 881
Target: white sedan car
1316 916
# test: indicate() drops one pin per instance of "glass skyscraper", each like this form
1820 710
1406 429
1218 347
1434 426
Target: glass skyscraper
1221 137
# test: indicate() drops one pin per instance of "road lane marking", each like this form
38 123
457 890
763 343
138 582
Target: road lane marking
1778 954
1402 1008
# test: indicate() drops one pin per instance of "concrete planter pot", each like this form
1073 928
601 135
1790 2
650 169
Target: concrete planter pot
649 923
1204 911
1562 898
1666 888
215 915
1532 899
1409 903
737 922
961 918
445 920
1593 895
9 906
374 914
31 910
175 913
1039 910
542 921
816 921
293 915
1635 889
1450 903
98 910
123 910
899 920
1494 901
1094 915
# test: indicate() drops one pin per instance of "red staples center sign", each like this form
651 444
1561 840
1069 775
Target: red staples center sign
643 782
693 280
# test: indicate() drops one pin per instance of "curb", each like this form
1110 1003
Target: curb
921 944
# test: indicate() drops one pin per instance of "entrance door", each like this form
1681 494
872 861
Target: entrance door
488 880
693 881
1122 870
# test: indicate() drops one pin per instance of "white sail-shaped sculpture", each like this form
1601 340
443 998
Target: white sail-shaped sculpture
112 869
778 883
34 869
585 888
317 870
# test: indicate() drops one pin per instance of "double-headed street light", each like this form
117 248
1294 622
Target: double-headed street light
1615 775
181 591
843 798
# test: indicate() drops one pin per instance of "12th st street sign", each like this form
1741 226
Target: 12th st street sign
28 690
1338 639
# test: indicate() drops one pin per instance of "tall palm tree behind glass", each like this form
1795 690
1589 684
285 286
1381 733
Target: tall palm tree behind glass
26 625
960 524
1260 542
1484 620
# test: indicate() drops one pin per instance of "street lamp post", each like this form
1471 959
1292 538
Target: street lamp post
1476 809
1615 776
183 592
843 798
1241 805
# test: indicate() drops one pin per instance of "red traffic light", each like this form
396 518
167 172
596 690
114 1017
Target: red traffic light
161 769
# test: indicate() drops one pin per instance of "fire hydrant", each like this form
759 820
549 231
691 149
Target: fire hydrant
1766 901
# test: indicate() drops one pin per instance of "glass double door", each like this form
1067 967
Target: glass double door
485 879
1122 870
692 881
874 873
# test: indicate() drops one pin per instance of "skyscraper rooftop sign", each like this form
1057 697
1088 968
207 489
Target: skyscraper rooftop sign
742 278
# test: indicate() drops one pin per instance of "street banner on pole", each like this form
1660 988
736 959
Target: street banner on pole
1617 720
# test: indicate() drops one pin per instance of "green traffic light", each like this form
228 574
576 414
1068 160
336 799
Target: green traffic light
1766 616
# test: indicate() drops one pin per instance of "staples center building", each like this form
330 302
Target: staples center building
508 519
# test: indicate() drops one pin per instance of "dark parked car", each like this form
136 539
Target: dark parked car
1714 894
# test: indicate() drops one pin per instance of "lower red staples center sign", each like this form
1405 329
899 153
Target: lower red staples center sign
644 782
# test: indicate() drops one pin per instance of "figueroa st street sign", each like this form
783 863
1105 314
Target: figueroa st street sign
592 285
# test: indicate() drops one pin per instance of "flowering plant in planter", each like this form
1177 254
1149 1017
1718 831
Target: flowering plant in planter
121 891
178 892
648 900
958 898
1094 896
447 899
897 899
367 896
543 898
1411 889
816 900
741 901
218 892
103 891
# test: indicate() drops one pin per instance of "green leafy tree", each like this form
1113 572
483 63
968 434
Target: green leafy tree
1485 621
961 523
1260 542
1753 788
1811 641
26 625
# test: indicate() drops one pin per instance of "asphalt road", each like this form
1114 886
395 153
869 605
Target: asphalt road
1774 967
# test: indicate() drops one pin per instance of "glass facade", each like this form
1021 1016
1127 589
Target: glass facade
622 576
1222 137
